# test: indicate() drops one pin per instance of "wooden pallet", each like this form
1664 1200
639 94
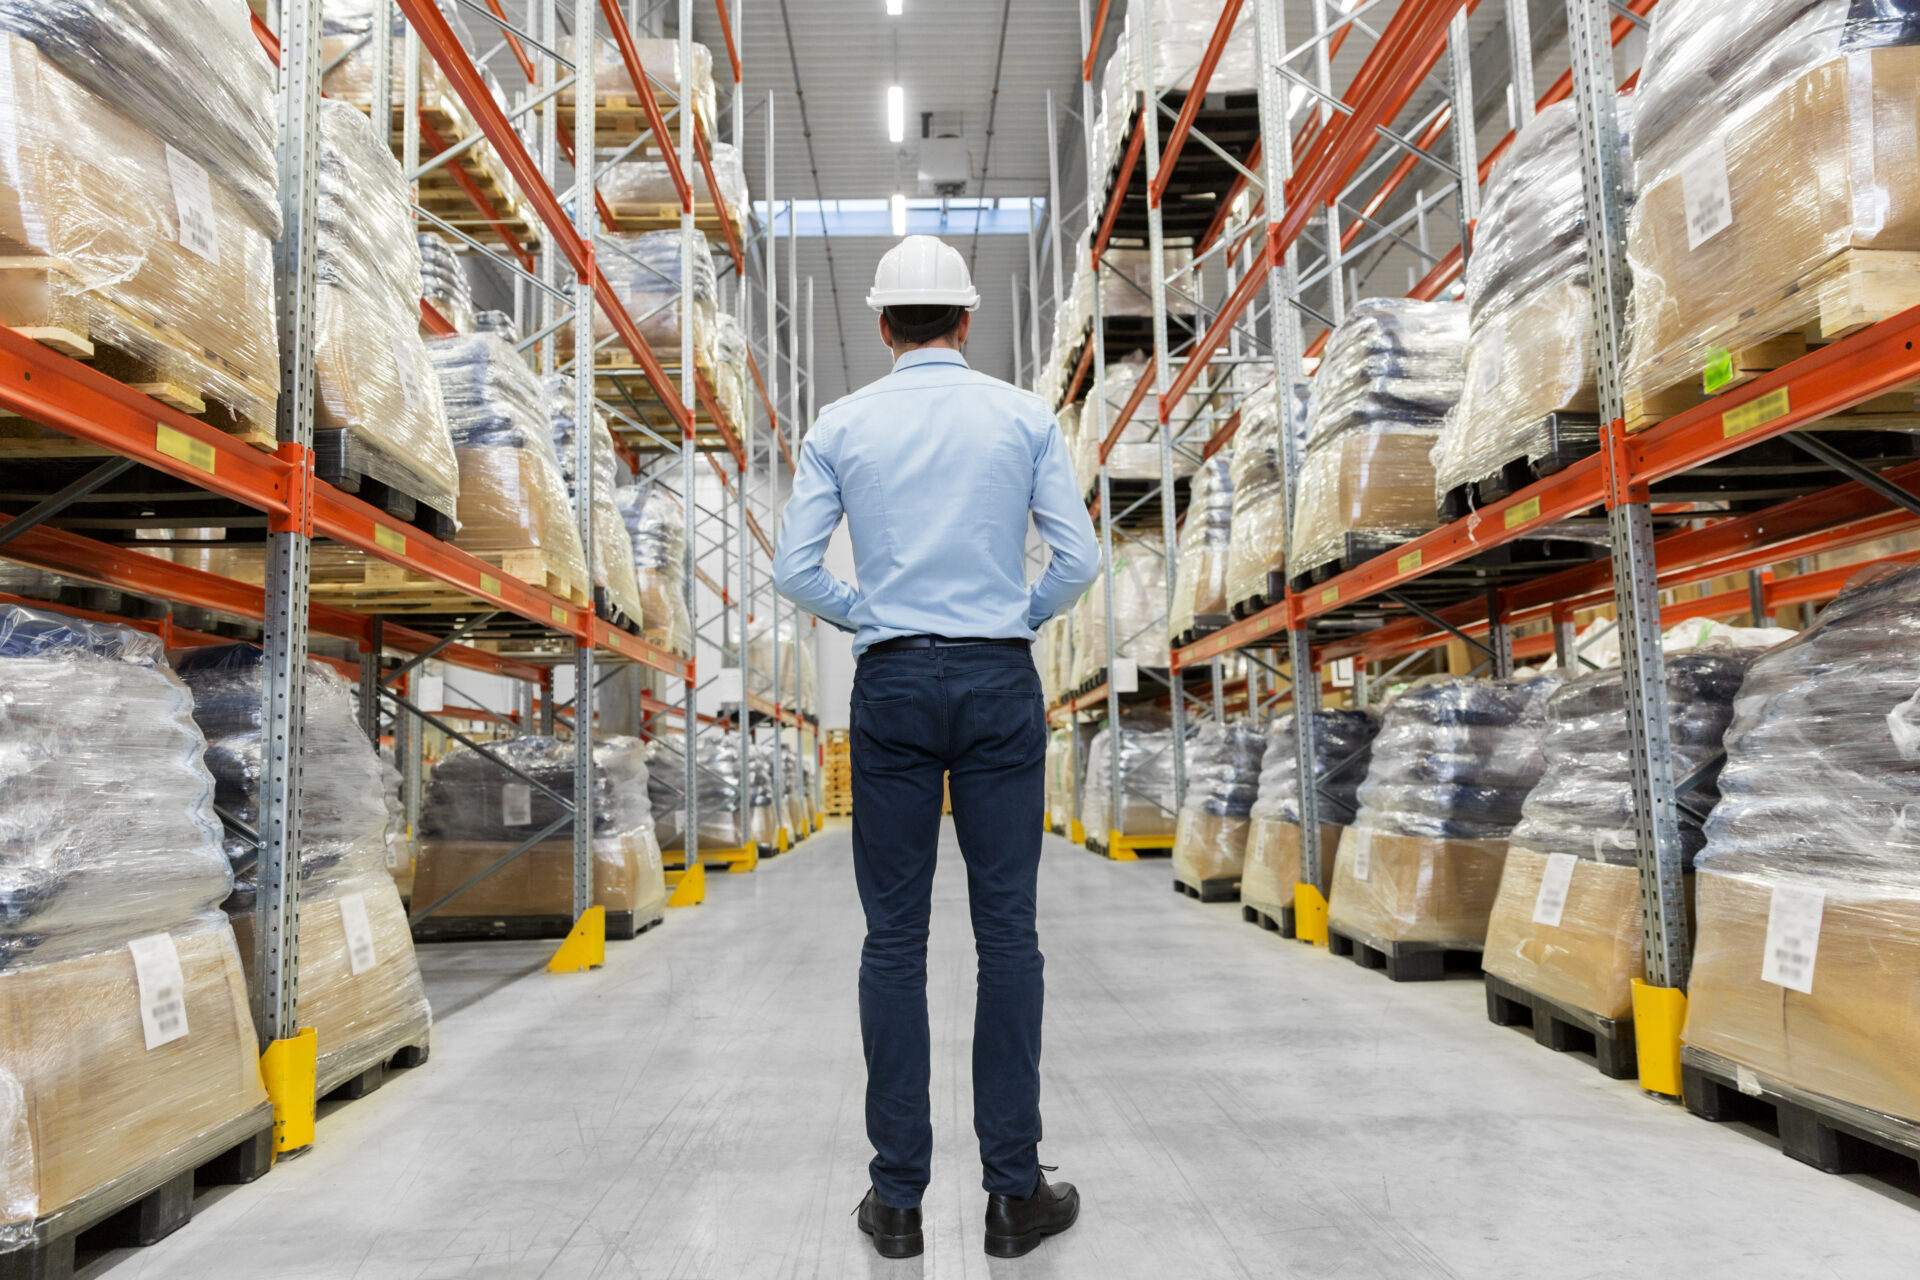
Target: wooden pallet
1281 924
1403 961
1560 440
358 1084
620 118
365 581
1563 1028
621 925
441 193
1224 889
652 215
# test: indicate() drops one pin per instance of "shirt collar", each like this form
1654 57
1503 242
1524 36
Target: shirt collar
930 355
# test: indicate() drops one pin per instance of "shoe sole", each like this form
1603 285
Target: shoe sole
1027 1241
897 1246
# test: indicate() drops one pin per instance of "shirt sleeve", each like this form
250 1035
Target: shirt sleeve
812 514
1061 517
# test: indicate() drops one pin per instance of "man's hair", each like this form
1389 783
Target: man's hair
922 324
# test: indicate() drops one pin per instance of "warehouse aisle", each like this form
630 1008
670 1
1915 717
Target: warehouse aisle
1232 1105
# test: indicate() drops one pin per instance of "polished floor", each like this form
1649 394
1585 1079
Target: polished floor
1231 1105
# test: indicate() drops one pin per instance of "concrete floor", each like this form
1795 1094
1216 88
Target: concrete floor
1231 1105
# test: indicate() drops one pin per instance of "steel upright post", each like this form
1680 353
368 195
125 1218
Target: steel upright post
1466 143
1013 298
689 396
585 219
289 543
370 684
1033 298
1499 636
547 156
381 35
1520 51
1629 514
1053 207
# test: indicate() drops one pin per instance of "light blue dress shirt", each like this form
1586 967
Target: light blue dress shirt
937 469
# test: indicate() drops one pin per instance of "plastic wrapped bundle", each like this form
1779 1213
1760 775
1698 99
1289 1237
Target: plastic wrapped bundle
400 844
1200 585
1136 454
730 369
1740 101
475 813
1257 544
443 282
1182 29
1530 351
1390 375
379 412
644 271
613 570
1342 740
360 986
1454 759
1147 806
121 238
513 499
1139 601
1223 778
717 793
1061 781
1127 282
1808 892
660 60
654 522
647 183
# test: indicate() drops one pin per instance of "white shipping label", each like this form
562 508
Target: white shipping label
431 692
1125 676
193 205
1551 903
516 805
1362 858
1793 937
163 989
1704 190
359 931
406 372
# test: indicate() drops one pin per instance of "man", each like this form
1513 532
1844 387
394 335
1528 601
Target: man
938 470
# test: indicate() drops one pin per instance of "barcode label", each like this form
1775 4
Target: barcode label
1551 903
359 931
1125 675
163 989
1704 191
1362 859
406 372
516 805
193 205
1793 937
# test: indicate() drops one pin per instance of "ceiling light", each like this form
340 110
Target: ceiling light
896 114
898 207
896 7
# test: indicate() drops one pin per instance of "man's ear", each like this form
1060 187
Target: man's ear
960 334
886 334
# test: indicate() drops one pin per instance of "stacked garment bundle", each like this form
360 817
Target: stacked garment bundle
1390 374
1342 750
1567 924
138 197
1739 101
1147 804
360 986
477 812
1453 762
1257 542
644 188
128 1032
1139 602
654 520
644 271
1530 404
1223 779
1136 454
1200 580
1808 891
443 282
514 509
730 372
613 571
378 412
1053 642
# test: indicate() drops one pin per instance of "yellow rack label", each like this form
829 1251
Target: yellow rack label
1528 510
490 584
389 539
559 615
1260 626
182 447
1330 595
1755 413
1409 562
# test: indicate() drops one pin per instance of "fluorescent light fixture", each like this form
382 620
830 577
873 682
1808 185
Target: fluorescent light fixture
896 114
896 7
898 207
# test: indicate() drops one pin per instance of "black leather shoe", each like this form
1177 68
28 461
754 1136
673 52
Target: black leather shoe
895 1232
1016 1226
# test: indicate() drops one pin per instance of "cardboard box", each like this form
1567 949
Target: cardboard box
1414 889
1856 1036
1272 865
84 1101
540 881
515 500
1206 847
1363 482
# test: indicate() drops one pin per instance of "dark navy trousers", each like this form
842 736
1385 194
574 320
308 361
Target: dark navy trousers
974 714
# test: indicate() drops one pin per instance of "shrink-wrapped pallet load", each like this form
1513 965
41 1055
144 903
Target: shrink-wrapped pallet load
360 986
730 372
654 520
443 282
660 62
137 198
1223 778
400 839
1454 760
1139 602
1390 374
1808 890
1136 453
1343 740
1257 541
644 271
1777 196
1147 805
613 570
378 413
1127 281
111 873
514 508
647 185
475 813
1200 581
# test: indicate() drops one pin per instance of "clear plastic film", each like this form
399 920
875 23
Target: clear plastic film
153 265
1147 805
644 271
1361 493
1136 454
1342 741
374 380
717 793
360 989
1739 103
612 545
660 61
650 183
1182 29
444 282
1257 544
475 813
513 497
1060 774
730 373
400 842
653 518
1126 287
1200 582
1139 601
1223 777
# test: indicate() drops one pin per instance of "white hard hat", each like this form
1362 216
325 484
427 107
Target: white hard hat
923 271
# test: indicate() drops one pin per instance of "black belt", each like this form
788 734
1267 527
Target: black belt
942 642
